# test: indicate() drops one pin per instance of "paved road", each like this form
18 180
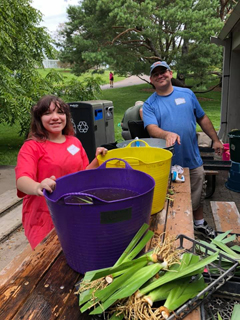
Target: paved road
130 81
7 178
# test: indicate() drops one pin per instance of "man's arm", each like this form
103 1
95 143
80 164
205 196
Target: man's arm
207 127
170 137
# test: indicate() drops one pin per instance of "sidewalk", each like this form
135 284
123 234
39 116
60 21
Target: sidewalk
10 246
130 81
7 178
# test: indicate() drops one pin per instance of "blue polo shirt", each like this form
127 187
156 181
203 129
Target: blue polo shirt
177 113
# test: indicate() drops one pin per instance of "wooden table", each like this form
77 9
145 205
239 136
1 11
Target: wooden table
39 284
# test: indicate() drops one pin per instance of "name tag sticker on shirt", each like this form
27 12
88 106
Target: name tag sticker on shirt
73 149
180 101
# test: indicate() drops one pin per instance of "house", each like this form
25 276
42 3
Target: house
48 64
229 37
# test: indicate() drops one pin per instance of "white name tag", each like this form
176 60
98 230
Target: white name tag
180 101
73 149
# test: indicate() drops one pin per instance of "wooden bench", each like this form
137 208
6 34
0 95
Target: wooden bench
226 216
8 199
10 213
211 167
40 285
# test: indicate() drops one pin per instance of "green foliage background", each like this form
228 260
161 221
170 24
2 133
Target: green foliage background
130 35
122 98
23 46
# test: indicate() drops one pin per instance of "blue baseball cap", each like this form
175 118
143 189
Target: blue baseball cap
159 64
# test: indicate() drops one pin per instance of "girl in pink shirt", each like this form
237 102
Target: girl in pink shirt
51 151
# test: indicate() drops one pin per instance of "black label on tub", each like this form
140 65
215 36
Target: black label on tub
108 217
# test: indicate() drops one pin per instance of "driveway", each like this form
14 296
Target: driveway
130 81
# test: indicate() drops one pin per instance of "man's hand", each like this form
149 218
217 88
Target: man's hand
49 184
218 147
171 138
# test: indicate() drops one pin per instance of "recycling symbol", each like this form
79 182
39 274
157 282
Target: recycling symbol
82 127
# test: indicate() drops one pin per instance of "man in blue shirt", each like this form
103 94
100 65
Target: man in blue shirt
171 113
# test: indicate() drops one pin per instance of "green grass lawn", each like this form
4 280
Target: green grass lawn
66 73
10 143
122 98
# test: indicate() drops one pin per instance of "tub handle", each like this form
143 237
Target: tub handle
134 161
103 165
80 199
146 145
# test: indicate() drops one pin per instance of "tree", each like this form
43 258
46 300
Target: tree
22 46
226 7
130 35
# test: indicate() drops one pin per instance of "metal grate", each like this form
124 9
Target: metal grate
214 283
218 305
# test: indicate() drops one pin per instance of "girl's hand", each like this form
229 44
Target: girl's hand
49 184
101 150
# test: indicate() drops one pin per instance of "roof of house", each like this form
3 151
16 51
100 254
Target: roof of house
233 19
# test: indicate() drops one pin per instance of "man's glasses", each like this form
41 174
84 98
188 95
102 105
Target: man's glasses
159 73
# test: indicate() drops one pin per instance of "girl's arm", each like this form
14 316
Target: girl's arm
31 187
94 163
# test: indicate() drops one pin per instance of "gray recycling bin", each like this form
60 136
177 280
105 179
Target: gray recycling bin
109 121
93 123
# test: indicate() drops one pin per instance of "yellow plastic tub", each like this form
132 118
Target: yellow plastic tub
154 161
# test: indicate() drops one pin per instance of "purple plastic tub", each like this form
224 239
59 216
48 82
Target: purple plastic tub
93 229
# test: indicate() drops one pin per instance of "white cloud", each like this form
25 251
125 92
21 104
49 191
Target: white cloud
54 11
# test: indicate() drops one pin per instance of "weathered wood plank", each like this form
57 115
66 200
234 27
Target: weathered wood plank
51 293
210 172
8 199
18 281
40 285
180 219
72 304
194 315
179 216
226 216
157 223
183 187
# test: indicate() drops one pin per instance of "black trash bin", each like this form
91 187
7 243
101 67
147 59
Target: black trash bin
234 145
93 124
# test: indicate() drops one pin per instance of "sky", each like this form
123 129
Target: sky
54 11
